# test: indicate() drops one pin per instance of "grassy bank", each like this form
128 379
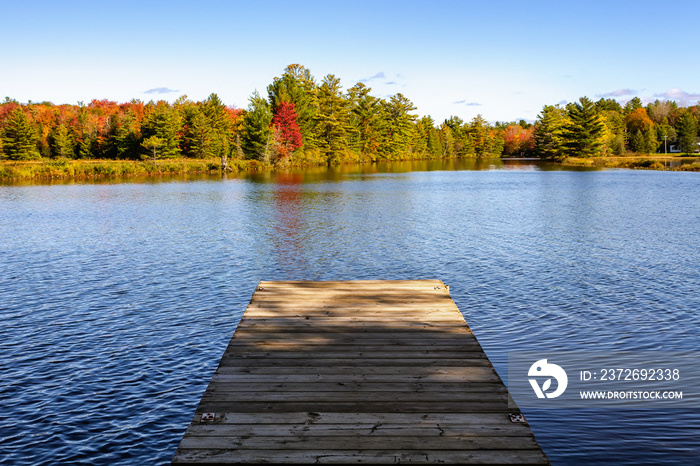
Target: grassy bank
93 169
97 169
644 162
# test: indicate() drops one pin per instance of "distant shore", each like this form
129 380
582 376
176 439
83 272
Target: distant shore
644 162
95 169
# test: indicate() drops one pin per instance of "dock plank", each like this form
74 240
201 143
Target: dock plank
343 372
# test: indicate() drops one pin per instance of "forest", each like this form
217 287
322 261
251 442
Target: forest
302 121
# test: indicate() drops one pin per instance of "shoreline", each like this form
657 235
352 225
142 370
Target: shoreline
637 162
89 169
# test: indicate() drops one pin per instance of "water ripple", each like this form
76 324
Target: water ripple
117 301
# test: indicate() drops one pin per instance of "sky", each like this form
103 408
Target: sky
503 60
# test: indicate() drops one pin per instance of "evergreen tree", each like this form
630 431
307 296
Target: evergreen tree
164 123
400 124
549 133
688 133
197 137
487 143
221 127
19 139
367 122
585 130
61 142
460 140
127 134
633 105
256 131
331 122
428 139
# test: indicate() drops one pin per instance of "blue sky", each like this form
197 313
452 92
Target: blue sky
501 59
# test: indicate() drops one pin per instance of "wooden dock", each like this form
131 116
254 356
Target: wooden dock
355 372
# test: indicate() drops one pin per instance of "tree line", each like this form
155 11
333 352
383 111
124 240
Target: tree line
302 121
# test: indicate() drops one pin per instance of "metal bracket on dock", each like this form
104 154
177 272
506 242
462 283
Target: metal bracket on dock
517 418
208 417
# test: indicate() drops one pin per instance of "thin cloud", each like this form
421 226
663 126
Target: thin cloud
619 93
679 95
468 104
379 75
160 90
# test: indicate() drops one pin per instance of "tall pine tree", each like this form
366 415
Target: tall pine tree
549 133
583 135
19 139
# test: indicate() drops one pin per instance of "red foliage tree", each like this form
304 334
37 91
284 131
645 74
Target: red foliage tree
518 141
285 123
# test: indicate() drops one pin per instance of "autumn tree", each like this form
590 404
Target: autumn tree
518 141
297 86
641 130
288 134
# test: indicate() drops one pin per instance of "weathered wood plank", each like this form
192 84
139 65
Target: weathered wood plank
359 429
459 371
347 372
350 378
388 456
418 387
353 407
366 442
357 363
358 418
214 395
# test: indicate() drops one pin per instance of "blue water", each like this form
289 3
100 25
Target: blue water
118 299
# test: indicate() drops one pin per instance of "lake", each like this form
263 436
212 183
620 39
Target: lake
117 299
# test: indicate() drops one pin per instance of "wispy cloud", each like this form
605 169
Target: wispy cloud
160 90
379 75
468 104
618 93
679 95
562 102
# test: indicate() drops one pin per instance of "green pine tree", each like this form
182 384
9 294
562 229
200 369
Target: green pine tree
584 133
256 134
19 139
164 123
61 142
331 122
688 133
549 133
